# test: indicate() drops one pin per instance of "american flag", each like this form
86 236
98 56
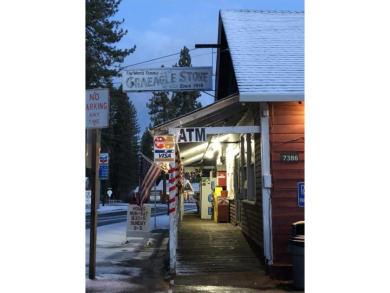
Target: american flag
148 174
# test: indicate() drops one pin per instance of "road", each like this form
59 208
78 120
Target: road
119 216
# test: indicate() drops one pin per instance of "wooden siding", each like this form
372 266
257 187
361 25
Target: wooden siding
251 222
252 214
232 215
287 134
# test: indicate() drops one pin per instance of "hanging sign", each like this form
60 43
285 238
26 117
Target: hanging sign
164 149
96 108
179 79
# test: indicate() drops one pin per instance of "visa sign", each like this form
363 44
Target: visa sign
164 149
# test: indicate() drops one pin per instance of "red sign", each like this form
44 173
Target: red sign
164 142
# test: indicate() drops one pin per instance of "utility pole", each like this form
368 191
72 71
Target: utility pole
94 201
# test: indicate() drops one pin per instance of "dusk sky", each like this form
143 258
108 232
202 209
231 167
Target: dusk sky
160 27
43 130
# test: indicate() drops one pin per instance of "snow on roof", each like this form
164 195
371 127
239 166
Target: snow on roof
267 50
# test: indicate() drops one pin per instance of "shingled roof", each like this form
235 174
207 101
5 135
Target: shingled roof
267 53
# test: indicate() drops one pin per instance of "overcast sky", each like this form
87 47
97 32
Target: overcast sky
160 27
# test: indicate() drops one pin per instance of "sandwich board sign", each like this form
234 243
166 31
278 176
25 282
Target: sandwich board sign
138 220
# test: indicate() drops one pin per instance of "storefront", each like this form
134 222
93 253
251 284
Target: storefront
254 131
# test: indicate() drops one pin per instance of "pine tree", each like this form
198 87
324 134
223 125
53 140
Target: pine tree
159 106
163 109
101 35
147 144
184 102
120 140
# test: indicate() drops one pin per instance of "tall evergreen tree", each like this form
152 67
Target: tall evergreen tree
159 106
101 35
120 140
147 144
163 109
184 102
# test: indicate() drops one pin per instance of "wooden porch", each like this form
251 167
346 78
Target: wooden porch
207 247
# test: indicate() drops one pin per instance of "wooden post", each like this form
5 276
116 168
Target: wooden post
94 202
266 190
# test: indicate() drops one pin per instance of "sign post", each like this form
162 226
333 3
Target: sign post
109 192
96 117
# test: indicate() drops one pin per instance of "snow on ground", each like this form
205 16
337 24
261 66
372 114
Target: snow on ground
128 264
107 208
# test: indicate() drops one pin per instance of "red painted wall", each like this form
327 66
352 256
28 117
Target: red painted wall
287 134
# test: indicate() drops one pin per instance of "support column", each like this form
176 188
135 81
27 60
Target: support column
266 182
172 218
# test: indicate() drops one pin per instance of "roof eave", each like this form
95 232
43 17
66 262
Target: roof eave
271 97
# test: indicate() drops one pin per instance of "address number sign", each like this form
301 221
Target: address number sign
289 157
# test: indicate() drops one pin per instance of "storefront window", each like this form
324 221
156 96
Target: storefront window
247 170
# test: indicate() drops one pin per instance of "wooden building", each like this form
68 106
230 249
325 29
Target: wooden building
255 128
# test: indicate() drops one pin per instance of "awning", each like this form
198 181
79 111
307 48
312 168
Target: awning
225 112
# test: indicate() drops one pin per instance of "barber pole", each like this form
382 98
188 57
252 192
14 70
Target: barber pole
172 217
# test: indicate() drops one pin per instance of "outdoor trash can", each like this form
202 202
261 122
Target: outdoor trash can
297 249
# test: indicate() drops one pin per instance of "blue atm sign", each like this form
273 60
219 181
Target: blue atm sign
301 194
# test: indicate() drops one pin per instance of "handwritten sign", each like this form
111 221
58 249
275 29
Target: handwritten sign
138 220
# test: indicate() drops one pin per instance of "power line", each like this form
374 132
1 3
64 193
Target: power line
192 57
156 59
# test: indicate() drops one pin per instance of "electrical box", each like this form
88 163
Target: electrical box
267 181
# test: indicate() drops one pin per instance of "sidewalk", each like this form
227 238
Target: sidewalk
132 264
141 264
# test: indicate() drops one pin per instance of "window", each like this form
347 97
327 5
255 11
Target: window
247 169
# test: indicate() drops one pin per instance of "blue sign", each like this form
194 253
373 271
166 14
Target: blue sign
301 194
103 158
103 172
